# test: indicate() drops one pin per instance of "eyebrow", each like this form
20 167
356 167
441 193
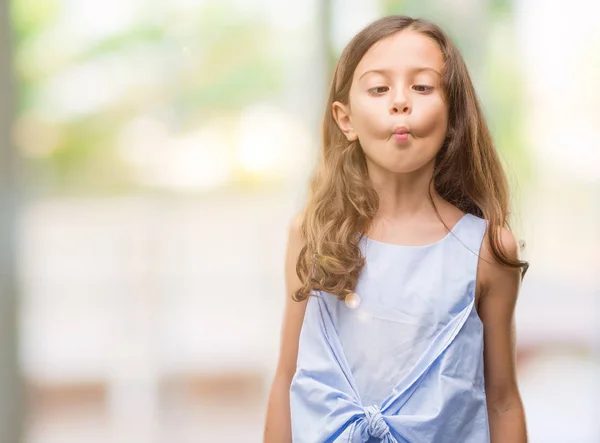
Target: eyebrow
387 71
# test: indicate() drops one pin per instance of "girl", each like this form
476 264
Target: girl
402 277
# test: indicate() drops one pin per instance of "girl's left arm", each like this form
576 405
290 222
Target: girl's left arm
500 287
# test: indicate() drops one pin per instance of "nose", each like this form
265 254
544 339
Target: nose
400 104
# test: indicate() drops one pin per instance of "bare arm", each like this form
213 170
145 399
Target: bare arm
500 286
277 426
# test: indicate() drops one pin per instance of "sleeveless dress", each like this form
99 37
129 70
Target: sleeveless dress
403 363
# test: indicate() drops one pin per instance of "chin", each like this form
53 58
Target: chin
405 163
403 170
407 167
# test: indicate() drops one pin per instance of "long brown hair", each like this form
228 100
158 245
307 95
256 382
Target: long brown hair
342 200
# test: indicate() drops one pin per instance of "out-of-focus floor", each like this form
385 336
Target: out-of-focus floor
560 408
229 409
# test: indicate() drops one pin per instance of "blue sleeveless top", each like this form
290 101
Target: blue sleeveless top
402 360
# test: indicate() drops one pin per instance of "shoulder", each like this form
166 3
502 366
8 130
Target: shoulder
492 271
295 228
295 237
296 222
507 242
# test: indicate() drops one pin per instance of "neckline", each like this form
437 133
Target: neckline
451 233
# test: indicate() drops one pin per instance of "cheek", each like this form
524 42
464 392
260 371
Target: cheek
433 121
367 120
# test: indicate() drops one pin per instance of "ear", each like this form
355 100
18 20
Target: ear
341 115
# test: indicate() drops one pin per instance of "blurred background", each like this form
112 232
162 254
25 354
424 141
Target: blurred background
153 153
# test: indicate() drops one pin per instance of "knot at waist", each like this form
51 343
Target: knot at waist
376 425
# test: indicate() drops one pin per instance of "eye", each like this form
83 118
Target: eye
378 90
422 88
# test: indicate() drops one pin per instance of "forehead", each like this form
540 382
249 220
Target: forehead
401 51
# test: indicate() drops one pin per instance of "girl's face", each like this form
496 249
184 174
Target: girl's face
396 105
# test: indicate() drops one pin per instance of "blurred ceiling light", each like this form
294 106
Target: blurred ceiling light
92 86
83 89
271 142
561 87
196 161
141 143
199 160
88 21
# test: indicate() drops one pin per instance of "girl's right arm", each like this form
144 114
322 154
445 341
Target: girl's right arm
278 426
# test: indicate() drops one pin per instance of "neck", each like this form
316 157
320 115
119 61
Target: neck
405 196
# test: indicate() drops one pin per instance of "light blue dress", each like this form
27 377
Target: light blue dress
405 363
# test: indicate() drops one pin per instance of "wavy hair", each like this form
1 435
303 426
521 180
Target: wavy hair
342 201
